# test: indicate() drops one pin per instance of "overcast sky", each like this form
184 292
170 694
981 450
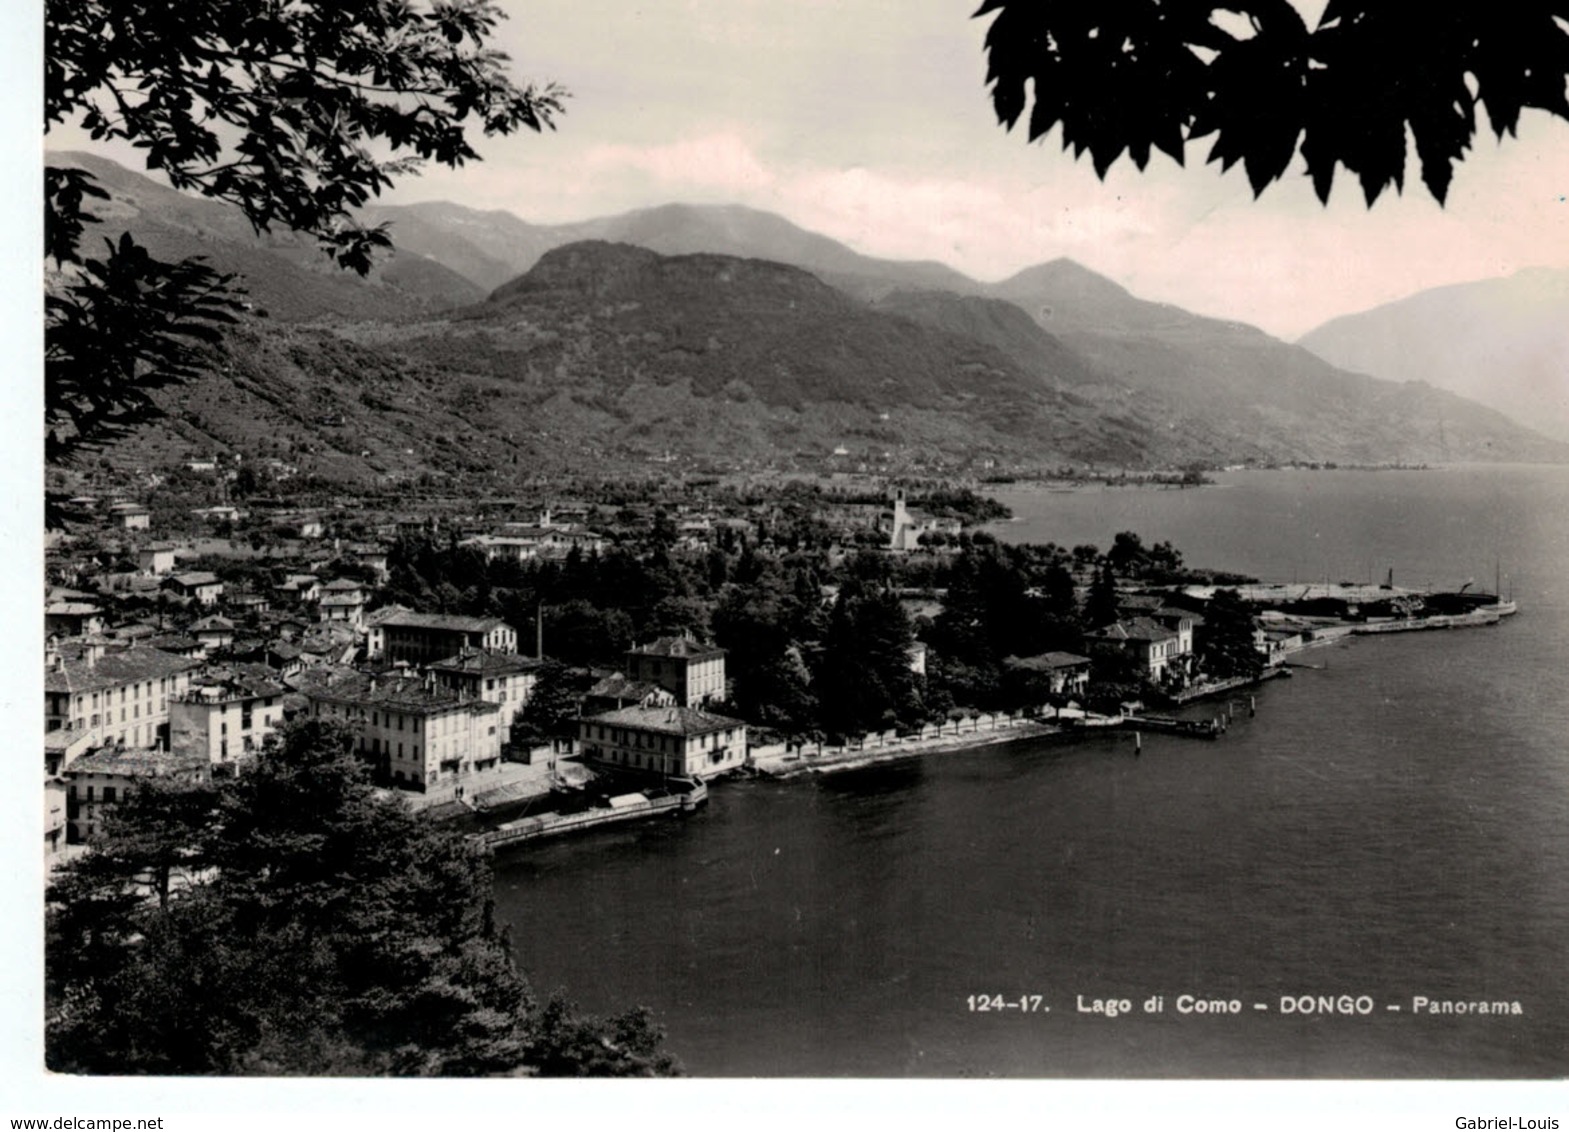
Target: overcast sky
868 121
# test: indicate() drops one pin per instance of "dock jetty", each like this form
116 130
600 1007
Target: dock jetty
1169 725
677 796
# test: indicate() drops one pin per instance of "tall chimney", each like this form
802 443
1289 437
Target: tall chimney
539 631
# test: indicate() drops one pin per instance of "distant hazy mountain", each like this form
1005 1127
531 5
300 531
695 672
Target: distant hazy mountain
1503 342
1253 394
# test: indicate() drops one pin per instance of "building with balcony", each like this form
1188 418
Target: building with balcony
424 638
1061 673
342 600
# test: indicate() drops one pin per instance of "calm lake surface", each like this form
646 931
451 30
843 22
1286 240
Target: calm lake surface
1395 824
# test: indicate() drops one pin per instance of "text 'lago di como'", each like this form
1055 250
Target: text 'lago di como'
1300 1005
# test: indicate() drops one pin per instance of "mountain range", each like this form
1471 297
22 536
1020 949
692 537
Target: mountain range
1501 342
732 336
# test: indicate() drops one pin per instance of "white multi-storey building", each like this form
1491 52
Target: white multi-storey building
224 717
415 735
678 741
99 697
693 673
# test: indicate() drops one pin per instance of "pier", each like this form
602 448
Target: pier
1167 725
1220 687
1479 617
677 797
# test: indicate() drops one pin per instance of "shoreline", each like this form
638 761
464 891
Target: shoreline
801 764
1002 729
785 767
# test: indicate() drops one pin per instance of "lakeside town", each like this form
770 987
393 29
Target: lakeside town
590 652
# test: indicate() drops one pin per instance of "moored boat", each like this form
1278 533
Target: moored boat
676 796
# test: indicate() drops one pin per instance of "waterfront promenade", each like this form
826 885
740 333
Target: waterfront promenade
789 761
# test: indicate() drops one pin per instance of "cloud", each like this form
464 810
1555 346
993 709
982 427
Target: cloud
707 164
986 228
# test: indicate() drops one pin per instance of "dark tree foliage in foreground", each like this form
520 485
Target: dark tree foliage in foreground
760 626
1132 75
1100 606
293 921
1130 558
274 107
297 113
795 666
128 326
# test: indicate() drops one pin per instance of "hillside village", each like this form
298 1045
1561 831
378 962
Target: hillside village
487 653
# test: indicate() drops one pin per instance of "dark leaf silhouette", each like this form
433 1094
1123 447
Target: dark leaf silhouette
1126 75
270 107
127 325
275 110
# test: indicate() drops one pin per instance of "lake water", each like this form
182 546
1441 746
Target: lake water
1392 825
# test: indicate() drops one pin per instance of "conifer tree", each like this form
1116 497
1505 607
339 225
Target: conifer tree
1100 607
